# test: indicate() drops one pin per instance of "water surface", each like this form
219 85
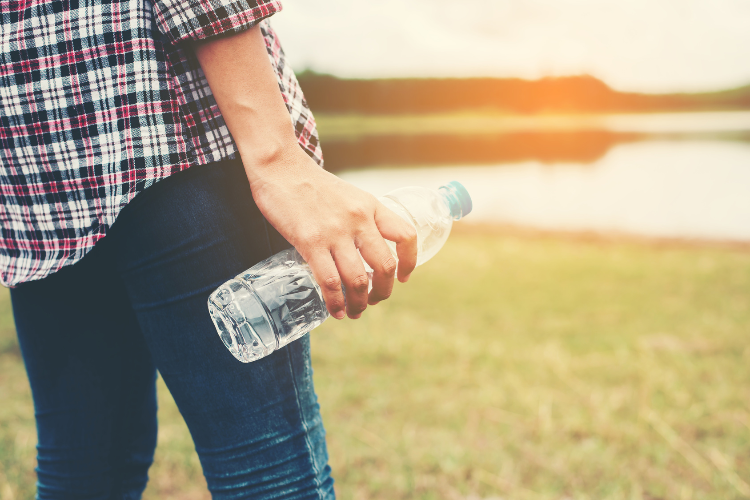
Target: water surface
358 141
659 188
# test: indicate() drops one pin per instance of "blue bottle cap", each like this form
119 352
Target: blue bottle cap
463 196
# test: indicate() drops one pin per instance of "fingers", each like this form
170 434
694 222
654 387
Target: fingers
325 273
383 264
394 228
352 272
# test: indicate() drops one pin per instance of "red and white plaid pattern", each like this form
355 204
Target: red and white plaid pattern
98 101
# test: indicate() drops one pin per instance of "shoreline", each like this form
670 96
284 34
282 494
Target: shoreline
597 237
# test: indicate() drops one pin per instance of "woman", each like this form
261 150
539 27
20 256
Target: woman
147 156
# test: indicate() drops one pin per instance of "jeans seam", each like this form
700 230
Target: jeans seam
308 444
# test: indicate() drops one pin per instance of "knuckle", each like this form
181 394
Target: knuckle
336 304
358 213
312 239
332 283
388 266
360 283
361 210
410 234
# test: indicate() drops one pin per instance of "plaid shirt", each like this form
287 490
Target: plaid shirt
99 99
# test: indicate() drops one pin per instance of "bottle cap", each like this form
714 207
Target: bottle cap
462 195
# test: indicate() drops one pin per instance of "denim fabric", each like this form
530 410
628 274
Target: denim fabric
94 333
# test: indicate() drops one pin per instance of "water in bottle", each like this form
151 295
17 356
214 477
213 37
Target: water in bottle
278 301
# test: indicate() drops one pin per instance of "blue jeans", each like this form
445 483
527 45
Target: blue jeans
93 335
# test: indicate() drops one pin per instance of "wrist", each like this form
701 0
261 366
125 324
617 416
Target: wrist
274 160
262 154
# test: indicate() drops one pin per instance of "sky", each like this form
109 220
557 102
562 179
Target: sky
633 45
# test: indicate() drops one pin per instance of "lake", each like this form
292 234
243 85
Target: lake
693 187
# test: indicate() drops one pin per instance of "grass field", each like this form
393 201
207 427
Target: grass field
510 367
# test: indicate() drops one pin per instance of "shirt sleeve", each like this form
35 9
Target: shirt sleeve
198 19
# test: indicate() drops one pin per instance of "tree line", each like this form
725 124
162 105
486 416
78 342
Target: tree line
574 94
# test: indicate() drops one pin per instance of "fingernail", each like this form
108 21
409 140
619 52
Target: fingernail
339 315
357 316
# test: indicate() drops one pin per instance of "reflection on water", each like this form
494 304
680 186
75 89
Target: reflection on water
366 141
336 127
682 189
414 150
705 122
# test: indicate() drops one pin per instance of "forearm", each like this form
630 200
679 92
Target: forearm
246 89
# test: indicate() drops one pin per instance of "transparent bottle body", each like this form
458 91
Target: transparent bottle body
278 301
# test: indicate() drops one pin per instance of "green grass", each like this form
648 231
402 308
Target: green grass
510 367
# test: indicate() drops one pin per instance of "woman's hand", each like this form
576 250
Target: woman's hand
328 220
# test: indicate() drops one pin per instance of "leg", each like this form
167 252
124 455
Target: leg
257 426
92 380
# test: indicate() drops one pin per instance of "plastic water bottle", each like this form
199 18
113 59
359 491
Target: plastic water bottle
278 301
